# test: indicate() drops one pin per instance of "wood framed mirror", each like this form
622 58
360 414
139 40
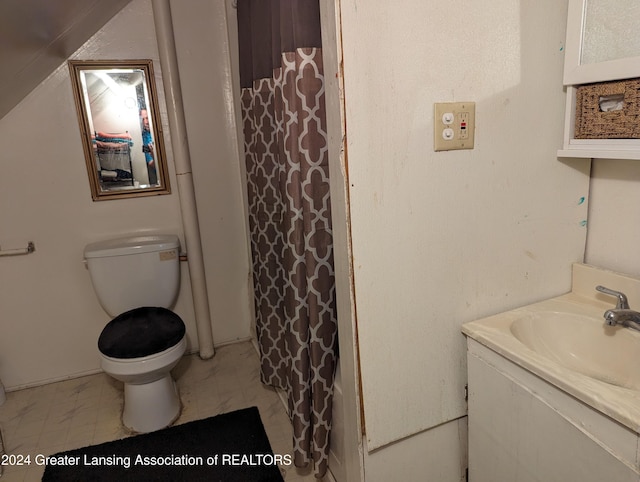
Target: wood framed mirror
120 127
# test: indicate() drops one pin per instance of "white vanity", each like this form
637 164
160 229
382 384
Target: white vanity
554 393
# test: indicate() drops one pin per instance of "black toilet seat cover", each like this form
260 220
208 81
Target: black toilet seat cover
141 332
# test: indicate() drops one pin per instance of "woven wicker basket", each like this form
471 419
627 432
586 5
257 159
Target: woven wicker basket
593 123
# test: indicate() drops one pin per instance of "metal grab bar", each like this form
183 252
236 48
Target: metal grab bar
17 252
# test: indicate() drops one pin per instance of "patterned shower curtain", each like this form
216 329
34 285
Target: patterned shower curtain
283 111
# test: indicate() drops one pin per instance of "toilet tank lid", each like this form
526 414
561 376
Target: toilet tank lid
131 245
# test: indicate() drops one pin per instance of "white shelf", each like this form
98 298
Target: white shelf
593 148
602 149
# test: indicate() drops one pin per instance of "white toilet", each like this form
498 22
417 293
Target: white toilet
136 280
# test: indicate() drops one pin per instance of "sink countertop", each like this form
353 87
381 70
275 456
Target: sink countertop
494 332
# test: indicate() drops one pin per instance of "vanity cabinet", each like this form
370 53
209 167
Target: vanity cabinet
526 429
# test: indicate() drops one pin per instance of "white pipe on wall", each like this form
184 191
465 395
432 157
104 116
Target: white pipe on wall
182 159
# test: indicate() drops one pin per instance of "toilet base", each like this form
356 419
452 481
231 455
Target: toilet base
151 406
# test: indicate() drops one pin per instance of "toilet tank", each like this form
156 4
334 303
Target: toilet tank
135 271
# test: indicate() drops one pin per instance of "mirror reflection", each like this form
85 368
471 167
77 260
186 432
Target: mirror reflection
120 127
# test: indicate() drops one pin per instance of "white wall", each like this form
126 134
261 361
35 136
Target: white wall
444 238
613 240
205 49
50 318
439 454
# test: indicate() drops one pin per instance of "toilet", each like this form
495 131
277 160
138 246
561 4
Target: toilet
136 280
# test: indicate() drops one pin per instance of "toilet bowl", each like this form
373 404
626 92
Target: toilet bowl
140 347
136 279
151 396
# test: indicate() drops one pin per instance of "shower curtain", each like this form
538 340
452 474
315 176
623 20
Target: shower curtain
283 111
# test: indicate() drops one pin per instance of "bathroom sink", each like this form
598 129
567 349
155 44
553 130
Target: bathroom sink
583 344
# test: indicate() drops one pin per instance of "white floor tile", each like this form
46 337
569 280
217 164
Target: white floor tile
84 411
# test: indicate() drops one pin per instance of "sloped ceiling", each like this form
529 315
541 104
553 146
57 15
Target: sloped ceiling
36 36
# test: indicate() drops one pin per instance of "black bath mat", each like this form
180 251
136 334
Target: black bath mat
232 447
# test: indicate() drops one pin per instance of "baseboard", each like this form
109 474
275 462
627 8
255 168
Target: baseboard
47 381
39 383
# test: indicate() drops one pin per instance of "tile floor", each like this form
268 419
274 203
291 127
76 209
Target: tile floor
86 411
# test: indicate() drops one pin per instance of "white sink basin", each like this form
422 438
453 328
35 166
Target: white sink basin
583 344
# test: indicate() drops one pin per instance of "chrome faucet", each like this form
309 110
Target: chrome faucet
621 314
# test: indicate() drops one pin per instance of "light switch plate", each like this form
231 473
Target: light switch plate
454 125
